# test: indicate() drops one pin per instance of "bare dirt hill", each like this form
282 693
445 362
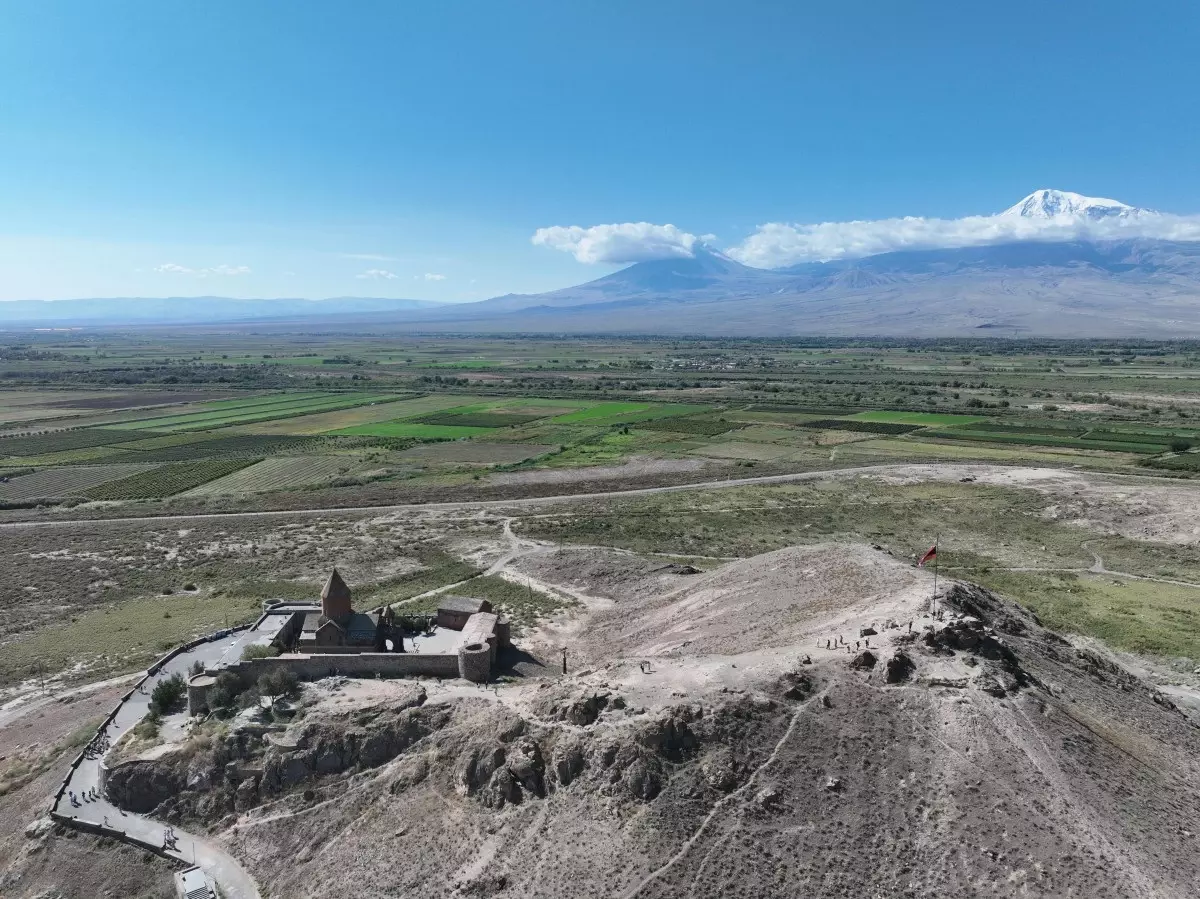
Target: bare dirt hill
709 744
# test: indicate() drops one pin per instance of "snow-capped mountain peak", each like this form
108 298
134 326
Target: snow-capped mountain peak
1063 204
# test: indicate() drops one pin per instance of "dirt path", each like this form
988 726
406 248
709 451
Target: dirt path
1096 567
29 700
476 504
939 471
719 805
1165 506
517 547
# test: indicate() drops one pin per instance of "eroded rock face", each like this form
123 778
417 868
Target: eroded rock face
721 770
798 685
246 796
568 760
324 750
580 710
671 736
864 661
497 774
140 786
900 668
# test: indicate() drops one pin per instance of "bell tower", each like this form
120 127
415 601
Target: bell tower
335 598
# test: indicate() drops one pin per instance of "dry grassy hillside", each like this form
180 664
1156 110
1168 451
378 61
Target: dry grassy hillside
708 744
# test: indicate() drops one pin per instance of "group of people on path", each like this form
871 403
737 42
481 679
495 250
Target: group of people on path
98 746
838 642
89 796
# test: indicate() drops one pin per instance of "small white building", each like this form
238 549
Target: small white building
192 884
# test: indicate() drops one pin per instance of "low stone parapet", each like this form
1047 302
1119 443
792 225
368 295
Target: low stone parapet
363 664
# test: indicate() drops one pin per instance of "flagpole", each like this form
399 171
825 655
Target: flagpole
936 541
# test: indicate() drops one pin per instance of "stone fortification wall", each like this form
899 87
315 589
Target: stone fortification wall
363 664
481 628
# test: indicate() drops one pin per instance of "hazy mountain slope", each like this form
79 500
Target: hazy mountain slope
1140 288
708 275
1066 287
163 310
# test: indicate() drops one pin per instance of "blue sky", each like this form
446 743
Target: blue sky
160 148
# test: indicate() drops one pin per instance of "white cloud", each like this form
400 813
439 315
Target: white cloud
172 268
430 276
777 244
618 244
368 257
377 274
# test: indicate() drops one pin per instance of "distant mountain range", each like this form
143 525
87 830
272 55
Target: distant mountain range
1135 287
191 310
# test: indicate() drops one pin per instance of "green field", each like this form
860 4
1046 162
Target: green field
62 441
482 417
1135 616
706 427
166 480
866 426
217 445
602 410
250 411
56 483
478 419
412 429
178 423
1049 440
279 473
916 418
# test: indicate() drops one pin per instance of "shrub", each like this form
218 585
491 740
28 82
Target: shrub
148 727
259 651
167 693
249 699
224 693
1180 446
275 685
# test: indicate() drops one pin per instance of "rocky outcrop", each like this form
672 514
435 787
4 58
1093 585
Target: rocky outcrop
141 786
900 668
581 709
322 749
502 773
864 661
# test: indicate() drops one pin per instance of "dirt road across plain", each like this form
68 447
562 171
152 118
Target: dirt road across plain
1002 475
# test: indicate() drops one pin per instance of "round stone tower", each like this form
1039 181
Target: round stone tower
198 686
335 598
475 662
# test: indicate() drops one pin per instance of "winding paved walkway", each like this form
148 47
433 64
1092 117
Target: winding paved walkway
223 868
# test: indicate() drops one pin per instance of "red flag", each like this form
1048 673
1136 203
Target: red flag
929 556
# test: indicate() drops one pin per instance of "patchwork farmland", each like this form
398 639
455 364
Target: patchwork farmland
58 483
280 473
165 480
438 417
